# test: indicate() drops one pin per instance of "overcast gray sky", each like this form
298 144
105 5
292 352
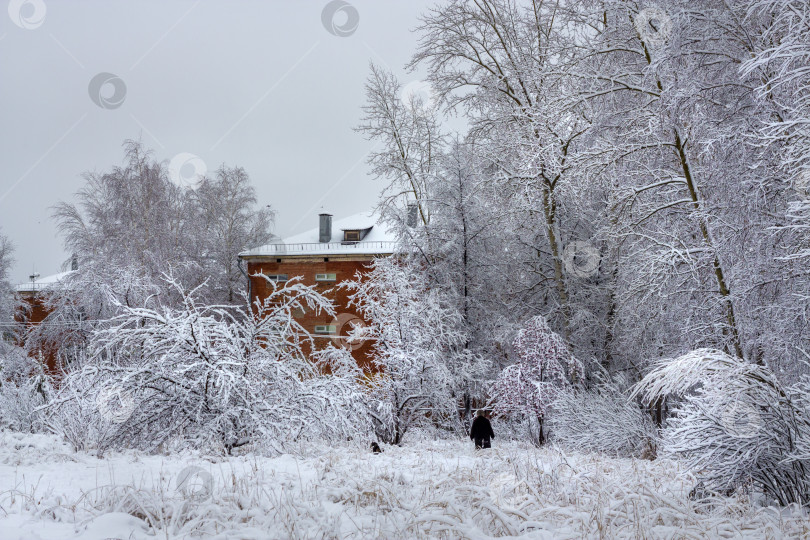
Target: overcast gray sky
261 84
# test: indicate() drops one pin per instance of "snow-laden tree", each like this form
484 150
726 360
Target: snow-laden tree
7 303
132 224
130 216
229 223
24 387
134 216
503 63
655 90
780 66
406 128
777 68
438 199
735 423
128 226
421 367
545 368
471 258
210 376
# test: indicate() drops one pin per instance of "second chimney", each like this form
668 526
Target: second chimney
413 215
325 229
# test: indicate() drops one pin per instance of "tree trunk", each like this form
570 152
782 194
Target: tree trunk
541 437
550 215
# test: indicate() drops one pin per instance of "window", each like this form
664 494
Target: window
325 329
351 236
276 277
325 277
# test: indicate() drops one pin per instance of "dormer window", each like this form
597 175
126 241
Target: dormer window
353 236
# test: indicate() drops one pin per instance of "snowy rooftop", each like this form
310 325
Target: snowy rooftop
378 240
42 283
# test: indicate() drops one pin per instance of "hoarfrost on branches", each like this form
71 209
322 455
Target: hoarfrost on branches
213 376
545 368
422 366
737 424
603 419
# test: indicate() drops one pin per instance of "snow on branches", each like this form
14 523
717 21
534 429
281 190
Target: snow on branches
418 348
545 368
214 376
736 423
603 419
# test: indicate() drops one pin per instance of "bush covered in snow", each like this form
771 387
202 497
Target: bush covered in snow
736 425
24 388
603 419
215 377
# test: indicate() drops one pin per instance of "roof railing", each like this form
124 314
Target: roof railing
320 247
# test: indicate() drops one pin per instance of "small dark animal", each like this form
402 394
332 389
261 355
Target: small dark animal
376 448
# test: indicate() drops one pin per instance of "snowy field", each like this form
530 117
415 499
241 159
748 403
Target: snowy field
433 489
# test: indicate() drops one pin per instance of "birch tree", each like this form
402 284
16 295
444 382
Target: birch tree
500 62
229 224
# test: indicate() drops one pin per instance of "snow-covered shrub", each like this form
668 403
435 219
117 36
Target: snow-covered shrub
736 425
545 369
213 376
422 366
24 388
602 419
73 412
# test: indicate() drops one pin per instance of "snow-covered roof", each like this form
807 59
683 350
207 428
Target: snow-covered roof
379 239
42 283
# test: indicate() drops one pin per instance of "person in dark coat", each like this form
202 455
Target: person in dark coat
481 431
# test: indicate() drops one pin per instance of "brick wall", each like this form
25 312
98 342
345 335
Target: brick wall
307 267
32 314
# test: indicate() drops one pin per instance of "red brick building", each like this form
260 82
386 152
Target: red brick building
34 310
324 256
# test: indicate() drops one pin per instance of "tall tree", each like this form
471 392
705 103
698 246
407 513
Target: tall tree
131 226
230 223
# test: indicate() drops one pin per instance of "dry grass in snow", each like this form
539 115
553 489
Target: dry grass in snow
426 489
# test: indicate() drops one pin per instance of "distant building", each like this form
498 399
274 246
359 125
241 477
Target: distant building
324 256
332 252
34 296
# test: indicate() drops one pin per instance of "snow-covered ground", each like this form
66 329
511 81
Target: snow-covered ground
425 489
